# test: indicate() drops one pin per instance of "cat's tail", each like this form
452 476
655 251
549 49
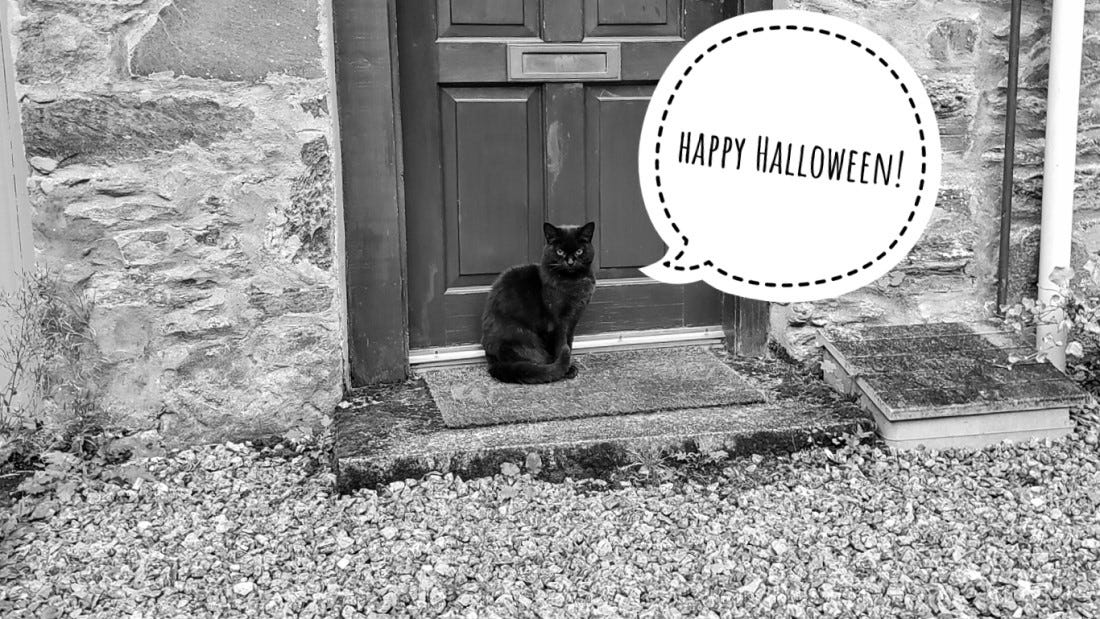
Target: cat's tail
529 371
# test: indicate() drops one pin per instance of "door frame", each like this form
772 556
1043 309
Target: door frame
368 104
16 244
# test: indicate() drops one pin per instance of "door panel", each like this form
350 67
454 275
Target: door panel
562 21
490 216
614 116
617 18
636 303
463 310
490 153
481 12
487 18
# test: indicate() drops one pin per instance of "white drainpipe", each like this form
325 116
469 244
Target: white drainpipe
1060 160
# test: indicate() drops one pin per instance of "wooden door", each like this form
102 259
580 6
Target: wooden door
520 111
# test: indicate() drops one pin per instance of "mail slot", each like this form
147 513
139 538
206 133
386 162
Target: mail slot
577 62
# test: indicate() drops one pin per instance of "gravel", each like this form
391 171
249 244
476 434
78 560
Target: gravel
849 531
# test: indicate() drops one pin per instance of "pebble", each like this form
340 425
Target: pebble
752 586
533 462
853 531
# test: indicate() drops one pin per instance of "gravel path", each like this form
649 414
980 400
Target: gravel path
852 531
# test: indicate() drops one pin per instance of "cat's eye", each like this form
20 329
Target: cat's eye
578 252
560 252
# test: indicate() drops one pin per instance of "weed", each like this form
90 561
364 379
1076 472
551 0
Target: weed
51 369
1074 310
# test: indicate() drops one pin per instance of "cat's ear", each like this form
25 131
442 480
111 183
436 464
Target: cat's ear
586 231
550 231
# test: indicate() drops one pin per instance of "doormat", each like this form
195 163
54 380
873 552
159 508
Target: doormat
608 383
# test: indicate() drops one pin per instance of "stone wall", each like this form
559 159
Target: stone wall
960 49
183 168
183 178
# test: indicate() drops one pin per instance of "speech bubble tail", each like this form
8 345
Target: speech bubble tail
671 270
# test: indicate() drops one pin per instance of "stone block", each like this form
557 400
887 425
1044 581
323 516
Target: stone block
958 298
122 332
280 301
947 246
150 247
952 40
954 200
103 128
953 99
317 107
120 215
60 48
232 40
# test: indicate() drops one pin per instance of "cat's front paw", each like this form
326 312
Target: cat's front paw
571 372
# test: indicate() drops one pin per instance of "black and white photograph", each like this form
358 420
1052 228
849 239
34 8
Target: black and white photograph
550 309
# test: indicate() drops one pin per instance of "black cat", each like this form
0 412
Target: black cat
533 309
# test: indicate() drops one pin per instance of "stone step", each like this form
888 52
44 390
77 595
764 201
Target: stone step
395 432
949 385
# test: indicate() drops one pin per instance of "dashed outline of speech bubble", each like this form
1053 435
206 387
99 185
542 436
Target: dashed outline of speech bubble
872 55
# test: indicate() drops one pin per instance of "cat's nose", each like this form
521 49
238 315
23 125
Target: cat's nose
569 261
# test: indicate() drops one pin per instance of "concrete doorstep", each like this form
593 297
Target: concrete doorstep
395 432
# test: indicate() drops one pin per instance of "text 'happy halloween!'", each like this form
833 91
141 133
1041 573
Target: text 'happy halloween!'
767 155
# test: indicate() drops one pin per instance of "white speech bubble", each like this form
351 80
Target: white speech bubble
787 156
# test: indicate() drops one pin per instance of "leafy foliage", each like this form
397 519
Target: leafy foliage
51 369
1074 312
